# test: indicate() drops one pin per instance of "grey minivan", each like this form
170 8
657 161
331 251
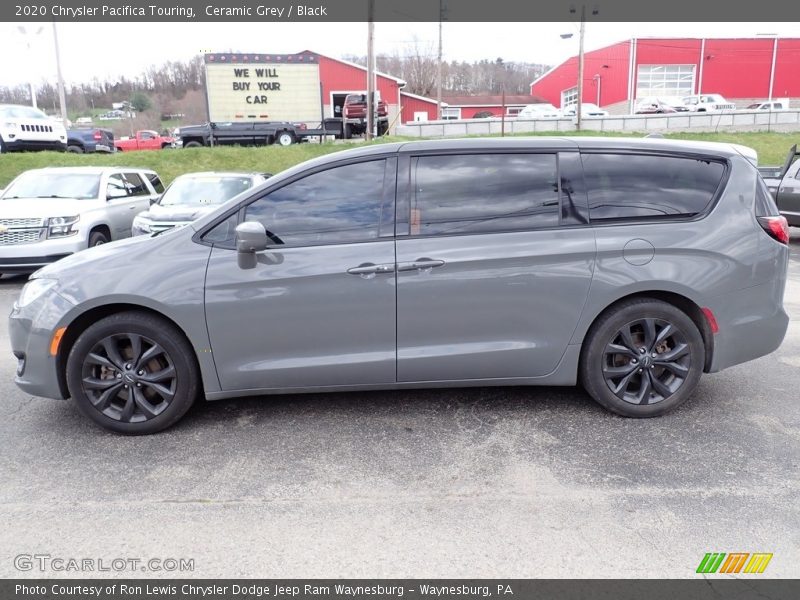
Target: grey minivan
630 266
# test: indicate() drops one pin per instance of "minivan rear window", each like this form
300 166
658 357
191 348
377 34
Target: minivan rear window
629 186
483 193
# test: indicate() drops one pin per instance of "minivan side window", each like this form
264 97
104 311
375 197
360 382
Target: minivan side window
483 193
336 206
629 186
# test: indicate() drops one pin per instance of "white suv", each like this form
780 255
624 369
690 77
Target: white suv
47 214
707 103
28 128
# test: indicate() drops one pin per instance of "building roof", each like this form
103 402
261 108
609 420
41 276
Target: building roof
491 100
421 98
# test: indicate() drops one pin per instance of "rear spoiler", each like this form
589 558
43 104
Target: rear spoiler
747 152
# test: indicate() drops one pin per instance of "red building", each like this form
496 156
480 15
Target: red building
743 70
468 107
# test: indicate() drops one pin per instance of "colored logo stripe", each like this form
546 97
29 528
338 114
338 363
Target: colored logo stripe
735 562
758 562
710 562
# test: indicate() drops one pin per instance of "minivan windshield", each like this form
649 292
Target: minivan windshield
35 184
204 190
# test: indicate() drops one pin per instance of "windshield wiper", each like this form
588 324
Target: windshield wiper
54 196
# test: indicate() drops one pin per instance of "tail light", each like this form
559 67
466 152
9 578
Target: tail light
98 135
776 227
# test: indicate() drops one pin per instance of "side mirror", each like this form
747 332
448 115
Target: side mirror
155 199
251 237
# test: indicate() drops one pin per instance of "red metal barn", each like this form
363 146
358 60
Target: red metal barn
743 70
417 108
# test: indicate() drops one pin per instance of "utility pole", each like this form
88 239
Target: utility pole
28 35
370 71
580 65
439 66
580 58
62 97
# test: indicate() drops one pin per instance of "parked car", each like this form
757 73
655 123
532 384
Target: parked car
191 196
483 114
653 106
28 128
773 105
243 133
784 185
47 214
588 110
144 140
630 265
82 141
707 103
539 111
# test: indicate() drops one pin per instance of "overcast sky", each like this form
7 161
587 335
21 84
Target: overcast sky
134 46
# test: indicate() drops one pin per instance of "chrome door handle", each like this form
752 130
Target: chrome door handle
371 269
421 264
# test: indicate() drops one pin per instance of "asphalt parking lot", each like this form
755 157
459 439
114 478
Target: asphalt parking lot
521 482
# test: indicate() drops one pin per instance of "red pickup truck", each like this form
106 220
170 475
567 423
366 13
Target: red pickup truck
354 112
144 140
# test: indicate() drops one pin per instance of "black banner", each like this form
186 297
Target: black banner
385 589
397 10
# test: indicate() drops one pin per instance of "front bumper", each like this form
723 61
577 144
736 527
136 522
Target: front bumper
19 145
31 330
26 258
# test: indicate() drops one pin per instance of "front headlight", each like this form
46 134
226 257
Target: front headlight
33 290
140 226
62 226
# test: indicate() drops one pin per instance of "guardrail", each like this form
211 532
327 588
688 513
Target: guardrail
786 120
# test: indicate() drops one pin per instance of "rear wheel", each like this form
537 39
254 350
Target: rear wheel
347 132
642 359
75 149
193 145
133 373
284 138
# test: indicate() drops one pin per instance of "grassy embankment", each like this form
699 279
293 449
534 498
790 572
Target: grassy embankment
771 147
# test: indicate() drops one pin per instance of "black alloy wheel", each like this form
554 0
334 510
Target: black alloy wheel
642 358
129 378
133 372
646 361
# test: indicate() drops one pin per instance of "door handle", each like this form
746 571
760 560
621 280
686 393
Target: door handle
131 208
421 264
371 269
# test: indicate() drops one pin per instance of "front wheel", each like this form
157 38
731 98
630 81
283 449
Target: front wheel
97 238
642 359
133 373
193 145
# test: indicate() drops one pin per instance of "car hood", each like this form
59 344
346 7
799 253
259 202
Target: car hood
177 213
17 208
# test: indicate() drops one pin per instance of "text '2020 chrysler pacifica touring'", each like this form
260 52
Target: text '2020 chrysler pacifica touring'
629 266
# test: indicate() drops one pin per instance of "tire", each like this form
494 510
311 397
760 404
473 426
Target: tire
612 360
2 146
284 138
129 395
97 238
193 145
75 149
347 131
382 128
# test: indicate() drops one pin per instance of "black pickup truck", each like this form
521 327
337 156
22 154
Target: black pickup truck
784 185
253 133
